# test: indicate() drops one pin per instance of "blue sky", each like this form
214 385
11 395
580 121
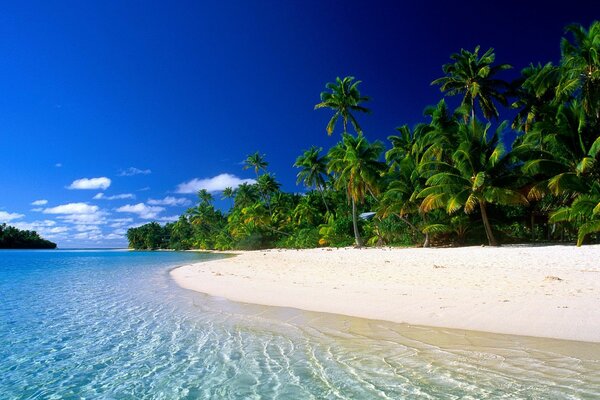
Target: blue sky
111 112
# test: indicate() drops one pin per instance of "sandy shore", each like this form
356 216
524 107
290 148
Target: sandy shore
551 291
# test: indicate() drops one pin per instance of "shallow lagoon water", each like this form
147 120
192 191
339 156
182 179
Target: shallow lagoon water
112 324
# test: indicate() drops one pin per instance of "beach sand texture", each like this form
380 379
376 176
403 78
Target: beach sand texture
546 291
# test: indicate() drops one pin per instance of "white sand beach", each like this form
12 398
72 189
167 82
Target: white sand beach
546 291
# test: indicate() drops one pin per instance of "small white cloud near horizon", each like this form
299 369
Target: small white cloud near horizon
131 171
42 202
215 184
101 196
142 210
170 201
7 217
101 183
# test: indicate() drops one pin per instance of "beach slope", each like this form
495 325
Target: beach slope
551 291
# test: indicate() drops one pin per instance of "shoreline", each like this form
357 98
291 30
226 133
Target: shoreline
543 291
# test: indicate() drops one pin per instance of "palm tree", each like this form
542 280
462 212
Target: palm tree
479 174
246 195
228 193
535 92
563 154
313 169
581 66
405 181
355 163
343 98
474 77
205 197
585 210
257 162
267 185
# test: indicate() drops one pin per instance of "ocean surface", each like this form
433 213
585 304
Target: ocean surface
113 325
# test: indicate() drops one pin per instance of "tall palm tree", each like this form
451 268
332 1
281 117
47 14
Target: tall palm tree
343 98
355 163
228 193
257 162
474 77
479 174
405 180
535 93
205 197
581 66
313 169
267 186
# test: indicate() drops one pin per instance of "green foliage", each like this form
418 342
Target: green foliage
474 77
13 238
343 98
449 180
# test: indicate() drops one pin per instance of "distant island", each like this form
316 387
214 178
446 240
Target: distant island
13 238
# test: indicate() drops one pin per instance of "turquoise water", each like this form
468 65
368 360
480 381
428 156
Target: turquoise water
113 325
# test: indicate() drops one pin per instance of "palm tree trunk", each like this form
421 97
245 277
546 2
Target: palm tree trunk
486 224
357 237
427 242
320 189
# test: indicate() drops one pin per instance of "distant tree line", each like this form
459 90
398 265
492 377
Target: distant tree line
13 238
450 180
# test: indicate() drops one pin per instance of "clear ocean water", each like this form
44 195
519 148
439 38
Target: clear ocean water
113 325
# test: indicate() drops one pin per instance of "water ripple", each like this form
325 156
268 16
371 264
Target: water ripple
113 325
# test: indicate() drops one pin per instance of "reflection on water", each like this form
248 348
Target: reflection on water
114 325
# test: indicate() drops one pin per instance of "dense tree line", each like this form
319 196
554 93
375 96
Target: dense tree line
452 179
13 238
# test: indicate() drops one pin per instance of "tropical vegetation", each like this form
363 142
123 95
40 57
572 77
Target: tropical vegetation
13 238
453 179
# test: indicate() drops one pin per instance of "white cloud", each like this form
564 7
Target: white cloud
120 222
78 213
58 165
72 208
131 171
170 201
214 184
101 183
101 196
142 210
57 229
96 218
37 209
39 202
87 228
7 217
